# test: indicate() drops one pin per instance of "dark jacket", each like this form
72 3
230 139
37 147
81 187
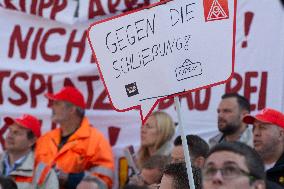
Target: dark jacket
276 173
272 185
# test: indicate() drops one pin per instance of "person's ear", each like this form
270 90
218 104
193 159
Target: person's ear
32 141
199 161
243 113
281 132
259 184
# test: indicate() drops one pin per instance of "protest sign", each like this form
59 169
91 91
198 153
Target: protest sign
168 48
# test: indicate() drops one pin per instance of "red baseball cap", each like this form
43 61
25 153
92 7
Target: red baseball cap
27 121
69 94
267 115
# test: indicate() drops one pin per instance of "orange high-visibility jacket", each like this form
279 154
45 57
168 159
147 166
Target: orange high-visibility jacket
86 150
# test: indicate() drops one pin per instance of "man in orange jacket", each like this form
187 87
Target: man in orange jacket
79 153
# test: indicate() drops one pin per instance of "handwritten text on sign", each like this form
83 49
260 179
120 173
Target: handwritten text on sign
163 50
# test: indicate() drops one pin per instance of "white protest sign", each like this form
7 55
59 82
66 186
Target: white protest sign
163 50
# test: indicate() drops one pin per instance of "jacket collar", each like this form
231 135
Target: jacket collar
280 161
82 131
26 168
246 137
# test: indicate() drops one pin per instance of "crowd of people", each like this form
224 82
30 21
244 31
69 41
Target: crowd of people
247 153
75 155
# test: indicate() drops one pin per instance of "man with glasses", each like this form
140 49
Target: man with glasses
233 166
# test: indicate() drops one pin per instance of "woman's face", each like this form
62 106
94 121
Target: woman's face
149 132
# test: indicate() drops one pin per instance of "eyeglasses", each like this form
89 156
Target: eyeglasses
227 172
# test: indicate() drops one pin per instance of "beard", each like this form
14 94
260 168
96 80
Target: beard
228 128
267 149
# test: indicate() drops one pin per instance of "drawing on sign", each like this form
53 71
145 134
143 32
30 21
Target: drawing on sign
188 69
217 12
131 89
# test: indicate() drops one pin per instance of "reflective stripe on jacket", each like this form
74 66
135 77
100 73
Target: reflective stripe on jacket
45 177
86 150
24 175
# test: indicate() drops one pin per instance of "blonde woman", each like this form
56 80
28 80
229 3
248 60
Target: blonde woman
156 135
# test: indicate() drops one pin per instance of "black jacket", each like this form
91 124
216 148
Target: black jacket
272 185
276 173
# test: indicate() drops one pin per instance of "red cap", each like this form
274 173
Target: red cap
27 121
266 115
69 94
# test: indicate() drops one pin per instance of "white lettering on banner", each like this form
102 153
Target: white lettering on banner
216 11
162 40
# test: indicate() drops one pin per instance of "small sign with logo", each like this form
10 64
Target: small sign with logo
215 10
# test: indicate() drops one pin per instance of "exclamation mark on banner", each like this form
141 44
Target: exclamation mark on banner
113 133
248 21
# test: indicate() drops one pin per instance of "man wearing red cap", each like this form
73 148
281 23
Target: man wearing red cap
18 159
79 152
268 140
